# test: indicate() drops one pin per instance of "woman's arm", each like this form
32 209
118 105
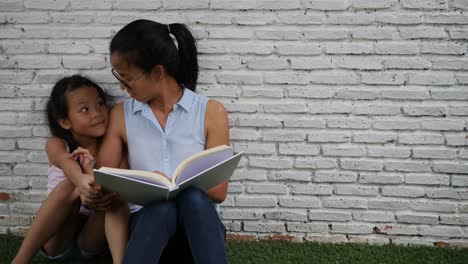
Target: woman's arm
111 151
217 133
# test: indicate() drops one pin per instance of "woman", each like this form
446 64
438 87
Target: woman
163 123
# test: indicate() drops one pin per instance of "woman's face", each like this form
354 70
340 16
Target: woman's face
138 85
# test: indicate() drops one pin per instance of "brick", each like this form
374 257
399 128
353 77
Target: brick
461 4
356 62
307 227
446 19
380 178
239 78
424 4
440 231
284 107
345 151
266 188
427 179
287 78
46 4
335 177
374 138
331 108
388 204
139 4
403 191
450 168
376 4
327 34
309 92
406 63
449 95
265 91
396 48
400 18
300 202
433 206
225 4
179 4
259 122
298 149
311 189
344 203
460 181
395 125
315 163
270 163
278 34
379 33
286 216
82 62
11 5
457 110
318 63
244 134
376 110
417 219
361 165
300 18
323 137
267 64
421 139
439 193
423 33
283 136
458 33
443 48
409 166
298 49
304 122
252 18
332 216
351 123
351 229
264 227
290 175
356 94
14 183
382 78
255 201
33 169
348 48
387 152
326 4
434 153
256 148
404 94
374 216
252 175
356 190
454 220
351 19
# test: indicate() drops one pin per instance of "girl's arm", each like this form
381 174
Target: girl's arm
217 133
58 155
111 151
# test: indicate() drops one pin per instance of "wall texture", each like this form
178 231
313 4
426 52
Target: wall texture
353 113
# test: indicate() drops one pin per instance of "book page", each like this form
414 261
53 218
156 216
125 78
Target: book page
201 162
147 176
132 190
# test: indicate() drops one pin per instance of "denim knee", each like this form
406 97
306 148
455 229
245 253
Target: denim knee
193 199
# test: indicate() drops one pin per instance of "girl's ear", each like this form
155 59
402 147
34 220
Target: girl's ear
65 123
158 72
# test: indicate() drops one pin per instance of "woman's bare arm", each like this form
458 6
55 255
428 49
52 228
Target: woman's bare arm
217 133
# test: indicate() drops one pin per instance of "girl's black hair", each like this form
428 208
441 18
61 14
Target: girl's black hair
57 106
146 43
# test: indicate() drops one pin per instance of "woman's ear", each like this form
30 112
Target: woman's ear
64 123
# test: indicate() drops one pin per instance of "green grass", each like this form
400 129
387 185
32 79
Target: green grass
311 253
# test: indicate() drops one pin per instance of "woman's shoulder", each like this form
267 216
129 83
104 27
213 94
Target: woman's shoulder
215 108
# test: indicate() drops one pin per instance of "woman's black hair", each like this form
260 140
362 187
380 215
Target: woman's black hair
145 44
57 106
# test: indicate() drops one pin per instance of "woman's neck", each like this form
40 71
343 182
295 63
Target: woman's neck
170 94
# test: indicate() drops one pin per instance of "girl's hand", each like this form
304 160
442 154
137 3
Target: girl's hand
89 191
85 159
105 202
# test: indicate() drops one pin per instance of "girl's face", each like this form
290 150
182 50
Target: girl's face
138 85
87 113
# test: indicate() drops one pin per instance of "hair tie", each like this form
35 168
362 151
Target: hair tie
174 39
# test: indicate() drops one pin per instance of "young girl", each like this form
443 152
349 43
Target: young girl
163 123
77 216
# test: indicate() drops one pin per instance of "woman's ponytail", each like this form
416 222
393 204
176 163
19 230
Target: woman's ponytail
187 72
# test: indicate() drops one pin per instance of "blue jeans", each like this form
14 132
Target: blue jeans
156 224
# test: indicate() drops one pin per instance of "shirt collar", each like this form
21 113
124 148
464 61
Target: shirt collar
185 102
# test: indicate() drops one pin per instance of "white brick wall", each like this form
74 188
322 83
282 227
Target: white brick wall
352 113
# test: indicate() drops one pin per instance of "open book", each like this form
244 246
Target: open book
204 170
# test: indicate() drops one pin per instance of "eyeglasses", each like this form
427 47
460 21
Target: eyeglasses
121 80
